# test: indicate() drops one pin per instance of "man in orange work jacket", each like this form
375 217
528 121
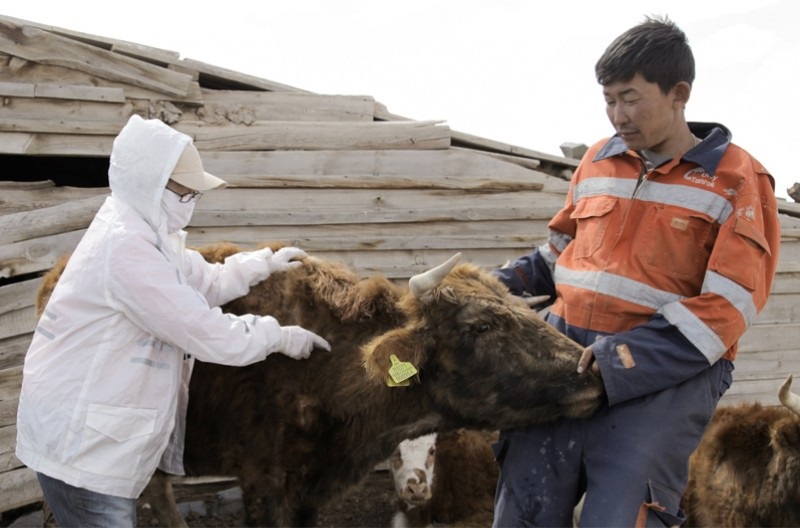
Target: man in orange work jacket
662 257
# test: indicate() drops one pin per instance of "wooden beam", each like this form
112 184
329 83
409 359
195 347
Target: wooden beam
524 234
13 350
15 70
347 206
251 107
443 169
19 200
20 488
41 46
289 135
69 216
36 255
42 144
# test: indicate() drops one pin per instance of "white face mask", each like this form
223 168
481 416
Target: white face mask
178 214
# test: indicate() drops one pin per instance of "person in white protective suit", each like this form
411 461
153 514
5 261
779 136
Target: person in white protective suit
105 381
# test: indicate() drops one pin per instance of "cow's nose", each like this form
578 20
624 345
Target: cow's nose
416 491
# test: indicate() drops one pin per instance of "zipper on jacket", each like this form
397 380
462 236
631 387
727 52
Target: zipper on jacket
642 177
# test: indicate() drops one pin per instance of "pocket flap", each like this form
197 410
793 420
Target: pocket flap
121 423
751 233
593 207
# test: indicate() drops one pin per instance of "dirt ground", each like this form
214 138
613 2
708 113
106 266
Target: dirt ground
368 506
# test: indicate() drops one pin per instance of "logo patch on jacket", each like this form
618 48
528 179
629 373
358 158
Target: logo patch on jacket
699 176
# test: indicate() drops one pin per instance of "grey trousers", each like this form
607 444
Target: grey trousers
631 460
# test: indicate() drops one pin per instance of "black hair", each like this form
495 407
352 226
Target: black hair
657 48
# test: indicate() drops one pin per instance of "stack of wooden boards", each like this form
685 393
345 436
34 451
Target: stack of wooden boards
337 175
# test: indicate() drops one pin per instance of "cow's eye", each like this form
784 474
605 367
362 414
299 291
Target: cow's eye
480 328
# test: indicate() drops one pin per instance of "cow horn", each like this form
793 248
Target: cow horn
788 398
428 280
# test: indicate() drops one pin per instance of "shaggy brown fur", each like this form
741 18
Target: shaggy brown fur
466 478
300 433
746 471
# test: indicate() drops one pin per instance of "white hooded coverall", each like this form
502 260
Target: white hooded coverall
105 381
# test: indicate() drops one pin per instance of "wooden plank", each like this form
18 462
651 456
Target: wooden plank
749 391
16 89
18 322
17 70
40 46
787 280
8 416
400 265
289 135
21 114
524 234
771 337
20 488
789 208
444 169
780 308
246 106
34 144
18 295
552 164
13 350
68 216
472 141
94 40
336 206
71 126
19 200
10 383
80 93
36 255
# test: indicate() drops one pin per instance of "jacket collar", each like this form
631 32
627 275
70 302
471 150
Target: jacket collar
708 153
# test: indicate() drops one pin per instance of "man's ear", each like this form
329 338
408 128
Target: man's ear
682 90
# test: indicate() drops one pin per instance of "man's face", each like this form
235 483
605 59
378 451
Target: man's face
643 116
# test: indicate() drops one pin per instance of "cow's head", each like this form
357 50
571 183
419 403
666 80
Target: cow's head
484 357
412 465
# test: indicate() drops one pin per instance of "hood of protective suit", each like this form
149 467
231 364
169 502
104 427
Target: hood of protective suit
144 154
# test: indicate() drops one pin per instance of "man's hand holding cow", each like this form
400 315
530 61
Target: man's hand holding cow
587 361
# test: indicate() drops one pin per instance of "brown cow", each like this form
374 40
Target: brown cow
746 470
298 434
445 479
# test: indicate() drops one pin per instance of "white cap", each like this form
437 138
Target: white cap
189 172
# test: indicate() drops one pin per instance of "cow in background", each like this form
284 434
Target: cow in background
445 479
300 434
746 470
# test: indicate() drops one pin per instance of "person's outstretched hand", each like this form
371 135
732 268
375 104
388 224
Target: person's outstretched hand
297 342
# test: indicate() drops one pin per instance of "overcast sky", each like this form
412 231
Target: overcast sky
517 71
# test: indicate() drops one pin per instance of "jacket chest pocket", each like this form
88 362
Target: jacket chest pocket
593 217
677 245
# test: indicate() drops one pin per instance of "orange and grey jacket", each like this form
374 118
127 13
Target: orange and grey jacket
661 270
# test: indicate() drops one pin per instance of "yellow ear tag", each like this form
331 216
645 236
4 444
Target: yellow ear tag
391 383
400 371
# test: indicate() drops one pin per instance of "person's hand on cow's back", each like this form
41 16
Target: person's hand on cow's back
282 260
297 342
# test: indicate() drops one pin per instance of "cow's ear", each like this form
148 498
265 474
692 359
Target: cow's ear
405 344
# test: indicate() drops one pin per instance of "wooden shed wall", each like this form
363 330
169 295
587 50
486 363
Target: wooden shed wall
339 176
